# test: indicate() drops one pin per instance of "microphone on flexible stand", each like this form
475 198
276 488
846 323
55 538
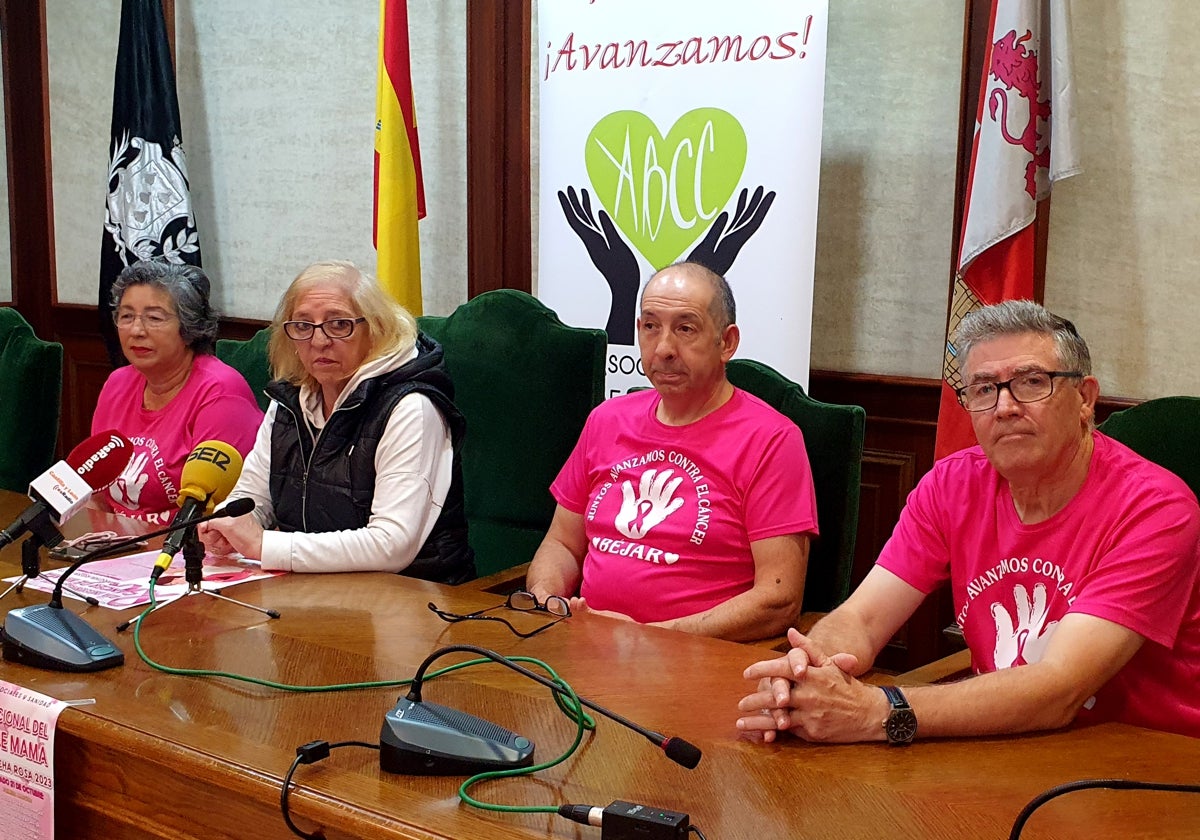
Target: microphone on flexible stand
428 739
52 636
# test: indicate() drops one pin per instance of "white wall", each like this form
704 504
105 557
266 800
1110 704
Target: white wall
278 104
1124 253
277 99
886 212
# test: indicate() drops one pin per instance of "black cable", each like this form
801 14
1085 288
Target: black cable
698 832
1087 784
310 753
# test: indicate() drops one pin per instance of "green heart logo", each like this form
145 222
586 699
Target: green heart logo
663 193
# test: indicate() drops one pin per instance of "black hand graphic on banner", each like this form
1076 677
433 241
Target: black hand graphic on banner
720 246
612 257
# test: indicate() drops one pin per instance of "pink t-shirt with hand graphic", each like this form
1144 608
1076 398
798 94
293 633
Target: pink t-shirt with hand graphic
214 404
670 511
1124 549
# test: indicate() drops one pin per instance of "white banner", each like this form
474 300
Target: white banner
681 129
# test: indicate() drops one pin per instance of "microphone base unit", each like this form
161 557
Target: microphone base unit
427 739
56 639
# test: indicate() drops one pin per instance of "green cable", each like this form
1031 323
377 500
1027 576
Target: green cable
577 714
569 705
574 712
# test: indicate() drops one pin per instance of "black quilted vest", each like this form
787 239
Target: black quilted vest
329 485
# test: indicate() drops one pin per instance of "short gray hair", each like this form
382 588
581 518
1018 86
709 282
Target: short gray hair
1016 317
188 288
723 310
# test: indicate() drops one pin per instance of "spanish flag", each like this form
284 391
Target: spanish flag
399 193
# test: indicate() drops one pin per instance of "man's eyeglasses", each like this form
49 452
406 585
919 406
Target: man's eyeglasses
1027 388
519 600
333 328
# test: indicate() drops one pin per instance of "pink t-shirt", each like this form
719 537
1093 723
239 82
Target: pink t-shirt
670 511
1124 549
214 404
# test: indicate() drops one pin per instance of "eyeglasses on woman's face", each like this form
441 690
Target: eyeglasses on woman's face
333 328
152 319
520 600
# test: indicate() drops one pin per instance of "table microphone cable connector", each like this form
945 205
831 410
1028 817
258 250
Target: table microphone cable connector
631 821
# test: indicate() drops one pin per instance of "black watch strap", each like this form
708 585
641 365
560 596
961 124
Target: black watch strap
901 724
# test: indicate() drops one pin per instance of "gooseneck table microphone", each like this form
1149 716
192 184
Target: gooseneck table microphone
52 636
429 739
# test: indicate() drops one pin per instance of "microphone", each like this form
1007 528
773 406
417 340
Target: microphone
428 739
61 491
52 636
209 473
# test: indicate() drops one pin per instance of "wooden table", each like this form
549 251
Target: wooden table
167 756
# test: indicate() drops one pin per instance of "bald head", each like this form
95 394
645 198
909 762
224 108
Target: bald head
683 275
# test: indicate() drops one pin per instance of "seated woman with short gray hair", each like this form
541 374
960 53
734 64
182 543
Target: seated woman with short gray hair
174 393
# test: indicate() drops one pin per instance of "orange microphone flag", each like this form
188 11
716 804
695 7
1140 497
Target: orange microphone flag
399 191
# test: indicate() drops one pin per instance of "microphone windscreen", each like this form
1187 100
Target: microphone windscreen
209 473
681 752
238 507
101 458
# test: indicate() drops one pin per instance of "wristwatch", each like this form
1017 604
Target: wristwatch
901 723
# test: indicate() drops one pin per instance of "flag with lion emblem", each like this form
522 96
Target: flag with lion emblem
1025 139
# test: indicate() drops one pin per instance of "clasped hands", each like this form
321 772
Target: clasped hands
812 694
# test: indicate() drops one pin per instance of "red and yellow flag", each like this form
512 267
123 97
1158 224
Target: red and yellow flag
1025 139
399 192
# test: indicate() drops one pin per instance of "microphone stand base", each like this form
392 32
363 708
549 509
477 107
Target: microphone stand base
196 589
57 639
428 739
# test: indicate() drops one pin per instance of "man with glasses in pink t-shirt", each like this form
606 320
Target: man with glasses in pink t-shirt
689 506
1072 560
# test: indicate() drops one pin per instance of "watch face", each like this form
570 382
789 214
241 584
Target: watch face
901 726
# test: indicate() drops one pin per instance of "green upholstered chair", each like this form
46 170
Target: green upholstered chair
31 372
249 358
833 438
526 383
1164 430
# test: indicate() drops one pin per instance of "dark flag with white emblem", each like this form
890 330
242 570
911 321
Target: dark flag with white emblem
147 214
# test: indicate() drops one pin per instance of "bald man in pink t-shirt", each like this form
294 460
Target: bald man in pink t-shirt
690 506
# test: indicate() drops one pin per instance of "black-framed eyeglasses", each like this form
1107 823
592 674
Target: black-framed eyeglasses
1034 386
519 600
333 328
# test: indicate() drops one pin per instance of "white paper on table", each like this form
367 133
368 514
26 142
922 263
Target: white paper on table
124 582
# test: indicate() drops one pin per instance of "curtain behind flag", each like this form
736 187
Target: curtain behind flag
147 213
1025 139
399 192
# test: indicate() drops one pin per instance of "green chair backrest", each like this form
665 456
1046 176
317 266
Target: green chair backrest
31 372
1164 430
833 438
526 383
249 358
